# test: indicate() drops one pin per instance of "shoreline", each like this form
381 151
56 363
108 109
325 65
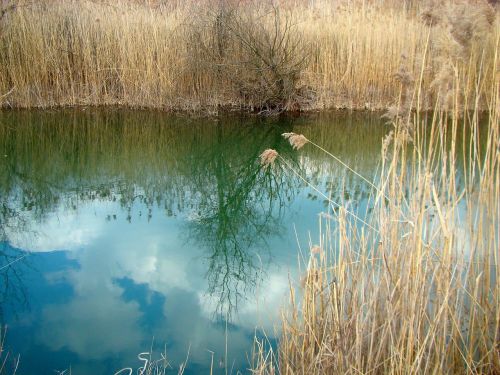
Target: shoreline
201 57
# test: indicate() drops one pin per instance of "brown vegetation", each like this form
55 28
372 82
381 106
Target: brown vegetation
262 56
413 286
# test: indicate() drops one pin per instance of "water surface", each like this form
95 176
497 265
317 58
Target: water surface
125 231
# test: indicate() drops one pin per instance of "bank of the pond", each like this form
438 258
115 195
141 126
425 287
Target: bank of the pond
251 56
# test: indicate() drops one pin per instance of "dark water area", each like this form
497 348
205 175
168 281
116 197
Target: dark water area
124 232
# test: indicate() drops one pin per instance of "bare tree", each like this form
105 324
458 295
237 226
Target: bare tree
255 51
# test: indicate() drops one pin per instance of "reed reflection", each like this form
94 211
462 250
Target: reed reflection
204 172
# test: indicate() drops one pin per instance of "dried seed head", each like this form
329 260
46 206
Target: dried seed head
268 157
316 250
297 141
431 15
404 76
387 141
391 114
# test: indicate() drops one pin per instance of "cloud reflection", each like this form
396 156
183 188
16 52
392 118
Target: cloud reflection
98 322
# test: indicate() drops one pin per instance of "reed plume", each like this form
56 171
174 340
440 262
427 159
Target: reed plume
268 157
297 141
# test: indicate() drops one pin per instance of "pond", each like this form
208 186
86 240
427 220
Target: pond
124 232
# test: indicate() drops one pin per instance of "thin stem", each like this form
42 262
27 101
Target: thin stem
14 261
324 196
349 168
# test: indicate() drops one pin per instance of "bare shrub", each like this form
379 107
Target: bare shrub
257 50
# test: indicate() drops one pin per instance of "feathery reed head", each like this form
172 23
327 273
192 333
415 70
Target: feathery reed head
403 75
316 250
268 157
297 141
431 15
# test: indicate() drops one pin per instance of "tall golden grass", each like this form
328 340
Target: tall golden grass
413 287
144 54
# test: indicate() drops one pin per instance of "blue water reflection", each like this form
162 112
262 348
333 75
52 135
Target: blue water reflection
146 230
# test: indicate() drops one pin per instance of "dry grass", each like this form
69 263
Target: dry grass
415 289
145 54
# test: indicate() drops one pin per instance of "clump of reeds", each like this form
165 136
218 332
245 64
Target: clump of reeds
413 286
244 55
400 112
460 48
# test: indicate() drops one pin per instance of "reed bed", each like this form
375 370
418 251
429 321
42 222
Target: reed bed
411 285
202 55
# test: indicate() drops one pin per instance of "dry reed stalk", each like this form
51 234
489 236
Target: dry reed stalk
419 293
297 141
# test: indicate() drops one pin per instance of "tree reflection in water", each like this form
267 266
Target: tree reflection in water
204 170
13 263
240 206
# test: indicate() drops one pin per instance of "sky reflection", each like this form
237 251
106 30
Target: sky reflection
143 232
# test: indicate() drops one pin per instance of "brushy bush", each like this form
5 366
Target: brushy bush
255 52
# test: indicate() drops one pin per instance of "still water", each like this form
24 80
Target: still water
124 232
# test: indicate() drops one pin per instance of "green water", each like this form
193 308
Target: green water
125 231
